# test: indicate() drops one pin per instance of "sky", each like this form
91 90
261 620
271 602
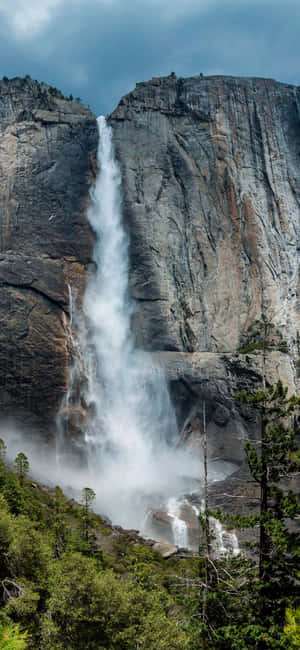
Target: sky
98 49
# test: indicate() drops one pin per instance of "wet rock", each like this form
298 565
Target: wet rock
164 549
159 525
194 532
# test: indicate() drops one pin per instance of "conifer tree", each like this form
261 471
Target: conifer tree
271 460
87 497
2 453
22 466
2 462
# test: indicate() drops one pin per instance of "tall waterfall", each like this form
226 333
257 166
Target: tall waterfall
127 394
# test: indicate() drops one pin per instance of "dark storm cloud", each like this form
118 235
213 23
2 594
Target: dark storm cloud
98 49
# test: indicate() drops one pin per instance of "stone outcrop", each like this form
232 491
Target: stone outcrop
47 161
211 200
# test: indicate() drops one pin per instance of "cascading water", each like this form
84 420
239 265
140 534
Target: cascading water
129 457
224 542
179 527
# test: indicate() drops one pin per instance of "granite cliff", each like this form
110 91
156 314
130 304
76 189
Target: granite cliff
211 187
47 160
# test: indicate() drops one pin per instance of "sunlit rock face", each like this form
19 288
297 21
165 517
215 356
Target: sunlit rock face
211 198
47 161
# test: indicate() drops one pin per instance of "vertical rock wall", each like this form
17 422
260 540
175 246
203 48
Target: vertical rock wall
211 200
211 197
47 161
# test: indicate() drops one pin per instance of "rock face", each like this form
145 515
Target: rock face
47 161
211 199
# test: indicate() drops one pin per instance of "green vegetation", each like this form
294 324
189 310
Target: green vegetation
269 586
11 638
263 336
22 466
69 581
292 628
58 590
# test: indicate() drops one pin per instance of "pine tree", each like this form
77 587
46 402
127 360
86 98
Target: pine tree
87 497
272 459
2 462
22 466
2 453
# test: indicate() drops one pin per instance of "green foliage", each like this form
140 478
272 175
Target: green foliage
22 466
108 613
13 493
56 583
263 336
58 586
29 552
292 628
2 453
87 522
11 637
272 458
60 532
254 614
6 534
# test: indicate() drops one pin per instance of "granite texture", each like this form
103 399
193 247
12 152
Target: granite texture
211 186
47 161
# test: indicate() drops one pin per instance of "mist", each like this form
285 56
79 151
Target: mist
129 453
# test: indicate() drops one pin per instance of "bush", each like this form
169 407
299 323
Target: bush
11 637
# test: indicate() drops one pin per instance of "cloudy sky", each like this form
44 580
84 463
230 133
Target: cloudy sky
99 49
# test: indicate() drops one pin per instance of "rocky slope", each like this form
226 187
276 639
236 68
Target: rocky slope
211 198
47 160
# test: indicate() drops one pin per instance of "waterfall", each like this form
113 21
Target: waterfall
179 527
129 457
219 536
224 542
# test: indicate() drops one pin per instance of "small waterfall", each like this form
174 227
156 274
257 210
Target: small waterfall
129 457
219 536
224 542
235 544
179 527
72 410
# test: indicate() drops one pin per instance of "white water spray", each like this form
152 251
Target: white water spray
133 416
179 527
